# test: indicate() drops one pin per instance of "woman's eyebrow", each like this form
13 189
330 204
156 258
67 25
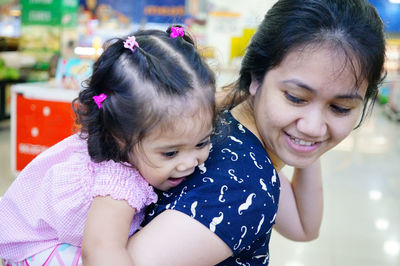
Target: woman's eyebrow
351 96
300 84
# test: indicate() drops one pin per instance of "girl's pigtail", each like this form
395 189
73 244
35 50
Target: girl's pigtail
175 31
99 99
131 43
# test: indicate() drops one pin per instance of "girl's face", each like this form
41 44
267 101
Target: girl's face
168 154
306 105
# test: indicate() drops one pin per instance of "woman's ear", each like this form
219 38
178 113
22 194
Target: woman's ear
254 85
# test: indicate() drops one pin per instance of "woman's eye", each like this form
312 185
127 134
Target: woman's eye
203 144
294 99
170 154
340 110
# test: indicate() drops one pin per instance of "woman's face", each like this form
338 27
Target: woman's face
306 105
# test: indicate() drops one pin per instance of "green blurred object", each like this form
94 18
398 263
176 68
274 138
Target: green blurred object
12 73
46 27
37 76
41 65
383 99
8 73
51 12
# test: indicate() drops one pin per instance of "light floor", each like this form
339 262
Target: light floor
361 225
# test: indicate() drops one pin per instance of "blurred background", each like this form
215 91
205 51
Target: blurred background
47 48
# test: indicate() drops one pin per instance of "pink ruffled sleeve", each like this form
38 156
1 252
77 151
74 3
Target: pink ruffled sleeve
121 182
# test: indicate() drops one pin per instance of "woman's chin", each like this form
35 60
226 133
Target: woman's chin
299 162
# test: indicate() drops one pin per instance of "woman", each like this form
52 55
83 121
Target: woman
308 78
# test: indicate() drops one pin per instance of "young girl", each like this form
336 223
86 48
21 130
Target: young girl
146 118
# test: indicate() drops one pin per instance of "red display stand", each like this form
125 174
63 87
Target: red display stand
41 116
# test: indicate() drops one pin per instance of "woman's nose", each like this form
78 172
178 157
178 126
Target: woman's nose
313 124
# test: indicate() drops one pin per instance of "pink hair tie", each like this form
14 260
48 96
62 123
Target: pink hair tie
131 43
176 31
99 99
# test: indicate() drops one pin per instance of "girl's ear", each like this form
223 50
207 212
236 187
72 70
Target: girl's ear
254 85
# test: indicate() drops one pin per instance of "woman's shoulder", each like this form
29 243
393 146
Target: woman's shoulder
237 162
233 145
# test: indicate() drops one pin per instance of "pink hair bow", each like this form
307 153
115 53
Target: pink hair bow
131 43
99 99
176 31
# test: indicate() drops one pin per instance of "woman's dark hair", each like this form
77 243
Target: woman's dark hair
352 26
143 87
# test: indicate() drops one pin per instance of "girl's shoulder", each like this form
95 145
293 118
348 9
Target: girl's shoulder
70 144
59 153
120 181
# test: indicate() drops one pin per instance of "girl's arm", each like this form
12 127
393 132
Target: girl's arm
300 204
106 232
174 238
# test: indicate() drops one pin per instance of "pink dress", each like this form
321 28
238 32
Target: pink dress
49 201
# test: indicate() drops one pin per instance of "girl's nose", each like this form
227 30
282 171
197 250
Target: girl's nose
188 163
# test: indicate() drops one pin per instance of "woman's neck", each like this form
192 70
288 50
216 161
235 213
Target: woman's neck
244 114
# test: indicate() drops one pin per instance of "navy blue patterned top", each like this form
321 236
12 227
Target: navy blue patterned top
234 193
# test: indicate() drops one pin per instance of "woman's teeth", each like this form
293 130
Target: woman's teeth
302 142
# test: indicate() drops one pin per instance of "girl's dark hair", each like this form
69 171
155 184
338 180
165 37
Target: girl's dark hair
142 88
352 26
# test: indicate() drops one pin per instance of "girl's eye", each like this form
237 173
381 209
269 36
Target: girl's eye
294 99
340 110
170 154
203 144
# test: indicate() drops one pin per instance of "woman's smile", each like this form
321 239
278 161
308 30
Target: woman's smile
301 145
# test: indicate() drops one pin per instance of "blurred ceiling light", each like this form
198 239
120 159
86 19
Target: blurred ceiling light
8 30
392 247
382 224
87 51
84 50
375 194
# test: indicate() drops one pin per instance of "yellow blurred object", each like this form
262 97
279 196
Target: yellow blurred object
393 41
225 14
96 44
239 44
206 51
